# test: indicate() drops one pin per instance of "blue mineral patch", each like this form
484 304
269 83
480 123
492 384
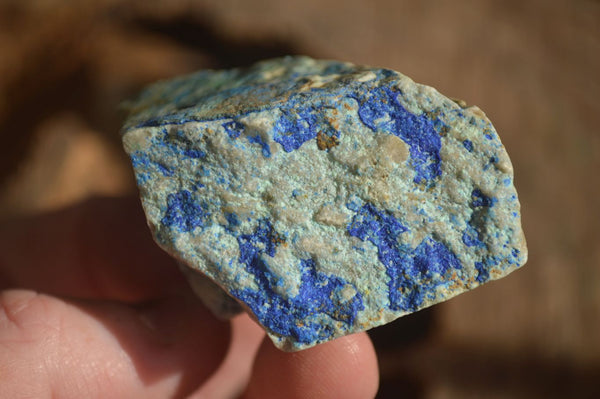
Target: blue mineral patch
142 161
414 273
298 122
483 268
470 237
170 145
480 203
468 144
233 129
369 219
183 212
478 199
303 118
493 160
483 274
266 150
165 170
264 239
196 186
380 110
232 220
319 295
475 232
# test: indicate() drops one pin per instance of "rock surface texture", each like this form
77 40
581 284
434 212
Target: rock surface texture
324 198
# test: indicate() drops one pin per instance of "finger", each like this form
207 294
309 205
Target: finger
343 368
101 248
69 349
232 377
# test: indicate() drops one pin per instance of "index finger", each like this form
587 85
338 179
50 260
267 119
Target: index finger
99 249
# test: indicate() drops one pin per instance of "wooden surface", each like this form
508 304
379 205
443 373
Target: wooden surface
532 66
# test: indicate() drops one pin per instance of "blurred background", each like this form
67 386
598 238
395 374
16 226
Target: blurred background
532 65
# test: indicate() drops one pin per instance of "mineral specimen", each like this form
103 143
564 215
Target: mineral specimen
324 198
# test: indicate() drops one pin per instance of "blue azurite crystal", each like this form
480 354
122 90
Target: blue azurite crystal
324 198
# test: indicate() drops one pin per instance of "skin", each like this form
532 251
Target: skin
91 307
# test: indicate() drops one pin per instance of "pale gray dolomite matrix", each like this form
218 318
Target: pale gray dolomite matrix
323 198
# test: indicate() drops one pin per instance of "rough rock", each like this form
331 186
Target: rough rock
322 197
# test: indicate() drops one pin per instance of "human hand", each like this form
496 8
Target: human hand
91 307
